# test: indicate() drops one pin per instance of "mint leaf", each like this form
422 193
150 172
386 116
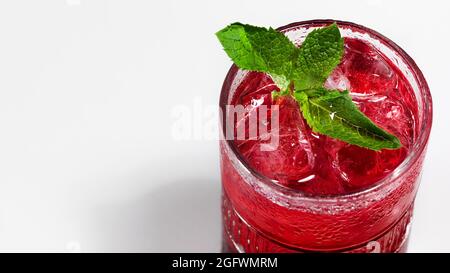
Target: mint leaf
318 55
333 113
301 72
259 49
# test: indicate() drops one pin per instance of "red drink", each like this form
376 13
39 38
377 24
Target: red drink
316 193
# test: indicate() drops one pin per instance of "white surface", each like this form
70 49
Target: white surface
87 157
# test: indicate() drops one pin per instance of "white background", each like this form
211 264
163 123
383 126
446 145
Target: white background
87 157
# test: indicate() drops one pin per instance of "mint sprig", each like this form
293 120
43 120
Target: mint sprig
301 73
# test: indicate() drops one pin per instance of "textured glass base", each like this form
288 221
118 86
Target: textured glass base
238 236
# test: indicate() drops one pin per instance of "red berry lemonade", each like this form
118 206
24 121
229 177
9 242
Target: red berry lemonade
314 192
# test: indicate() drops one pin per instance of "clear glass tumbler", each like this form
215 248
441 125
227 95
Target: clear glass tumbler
262 216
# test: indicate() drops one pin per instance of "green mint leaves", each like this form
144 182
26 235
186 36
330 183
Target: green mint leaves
259 49
319 54
301 73
334 114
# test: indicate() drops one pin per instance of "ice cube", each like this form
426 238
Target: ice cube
338 80
256 85
361 167
367 71
293 159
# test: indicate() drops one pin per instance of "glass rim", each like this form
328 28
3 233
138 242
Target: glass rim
381 185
